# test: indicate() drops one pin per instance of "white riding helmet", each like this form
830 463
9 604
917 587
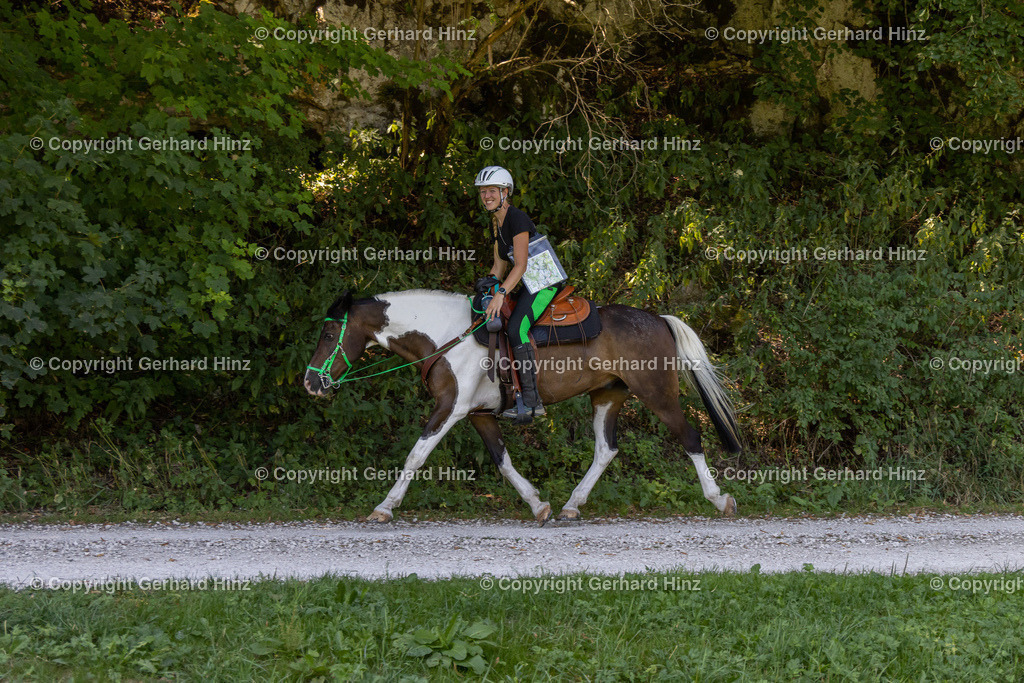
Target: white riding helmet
497 176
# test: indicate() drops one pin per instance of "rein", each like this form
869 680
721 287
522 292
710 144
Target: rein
325 369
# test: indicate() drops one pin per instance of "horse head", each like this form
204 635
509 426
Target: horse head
348 327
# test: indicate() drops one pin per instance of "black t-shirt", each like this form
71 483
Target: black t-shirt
515 222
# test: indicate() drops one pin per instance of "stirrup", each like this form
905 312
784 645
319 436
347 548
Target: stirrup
520 413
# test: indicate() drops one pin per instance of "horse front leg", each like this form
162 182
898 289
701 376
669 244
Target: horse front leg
441 420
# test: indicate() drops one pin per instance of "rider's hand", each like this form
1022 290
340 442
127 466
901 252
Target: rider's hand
494 308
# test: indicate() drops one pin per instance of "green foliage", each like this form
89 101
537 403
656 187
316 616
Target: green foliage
943 70
458 645
152 254
163 159
148 163
652 626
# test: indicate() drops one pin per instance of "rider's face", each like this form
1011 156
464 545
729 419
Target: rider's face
490 196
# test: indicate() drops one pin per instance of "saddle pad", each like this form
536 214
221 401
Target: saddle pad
544 335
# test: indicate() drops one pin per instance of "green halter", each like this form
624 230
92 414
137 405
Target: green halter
325 369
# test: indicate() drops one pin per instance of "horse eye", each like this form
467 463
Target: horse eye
328 336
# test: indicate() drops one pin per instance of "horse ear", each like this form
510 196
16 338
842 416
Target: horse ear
341 305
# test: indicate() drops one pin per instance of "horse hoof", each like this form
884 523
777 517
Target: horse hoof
730 507
544 515
568 515
379 517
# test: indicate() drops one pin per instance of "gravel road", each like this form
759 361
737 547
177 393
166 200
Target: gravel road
49 555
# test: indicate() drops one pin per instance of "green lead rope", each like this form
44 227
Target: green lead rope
325 370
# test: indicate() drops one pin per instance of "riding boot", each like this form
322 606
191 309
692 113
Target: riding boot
528 403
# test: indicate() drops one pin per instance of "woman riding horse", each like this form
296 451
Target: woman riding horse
513 231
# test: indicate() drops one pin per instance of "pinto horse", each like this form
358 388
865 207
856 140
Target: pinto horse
636 353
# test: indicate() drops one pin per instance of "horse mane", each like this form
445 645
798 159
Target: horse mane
345 302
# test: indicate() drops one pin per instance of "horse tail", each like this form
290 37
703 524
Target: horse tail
702 378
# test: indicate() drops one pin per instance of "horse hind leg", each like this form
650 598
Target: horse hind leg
607 403
662 397
725 503
487 427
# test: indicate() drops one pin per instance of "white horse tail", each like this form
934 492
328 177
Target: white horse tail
702 378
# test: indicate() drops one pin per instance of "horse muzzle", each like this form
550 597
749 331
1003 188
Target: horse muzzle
317 385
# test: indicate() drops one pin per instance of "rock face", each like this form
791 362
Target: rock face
421 29
429 29
432 29
838 68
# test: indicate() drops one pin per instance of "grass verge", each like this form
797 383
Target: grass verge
657 626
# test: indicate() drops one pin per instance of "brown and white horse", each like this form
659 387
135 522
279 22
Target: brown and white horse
637 353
